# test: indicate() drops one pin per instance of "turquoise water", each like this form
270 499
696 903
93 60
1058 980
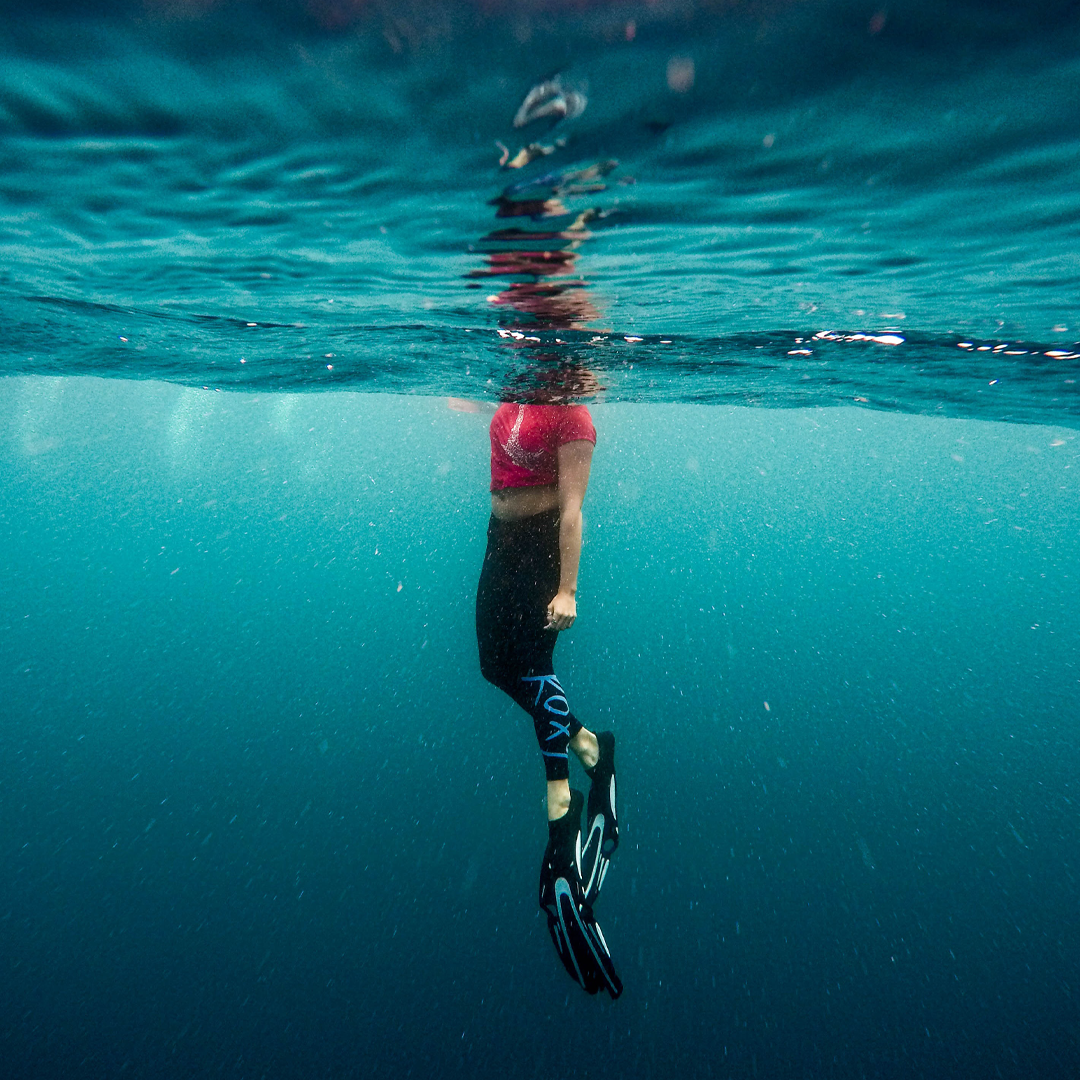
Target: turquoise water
171 182
260 814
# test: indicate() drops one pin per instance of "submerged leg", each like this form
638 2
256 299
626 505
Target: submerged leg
585 747
556 729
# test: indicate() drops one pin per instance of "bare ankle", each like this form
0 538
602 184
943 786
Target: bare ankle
586 747
558 799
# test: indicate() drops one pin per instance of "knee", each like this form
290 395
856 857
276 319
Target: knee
495 674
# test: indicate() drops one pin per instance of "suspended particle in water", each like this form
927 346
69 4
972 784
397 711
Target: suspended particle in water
864 849
680 74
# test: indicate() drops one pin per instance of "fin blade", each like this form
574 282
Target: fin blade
598 946
580 956
592 859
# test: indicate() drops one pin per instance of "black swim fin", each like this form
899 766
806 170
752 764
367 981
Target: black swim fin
577 937
602 837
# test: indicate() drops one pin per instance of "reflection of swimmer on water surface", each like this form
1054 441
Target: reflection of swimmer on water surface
513 201
501 263
582 181
526 155
533 257
559 306
554 100
532 208
541 255
575 231
555 304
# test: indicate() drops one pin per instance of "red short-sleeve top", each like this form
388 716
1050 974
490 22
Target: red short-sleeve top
525 441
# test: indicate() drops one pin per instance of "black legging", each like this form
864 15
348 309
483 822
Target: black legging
519 579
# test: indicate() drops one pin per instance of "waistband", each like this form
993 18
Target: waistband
538 523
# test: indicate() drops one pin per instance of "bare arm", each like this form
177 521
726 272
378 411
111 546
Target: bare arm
575 460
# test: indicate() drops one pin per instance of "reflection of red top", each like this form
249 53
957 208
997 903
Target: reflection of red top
525 441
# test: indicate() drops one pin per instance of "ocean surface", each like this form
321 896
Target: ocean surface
264 271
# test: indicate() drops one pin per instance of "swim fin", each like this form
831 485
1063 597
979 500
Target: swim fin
577 936
602 837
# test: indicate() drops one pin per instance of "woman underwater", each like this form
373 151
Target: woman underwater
540 461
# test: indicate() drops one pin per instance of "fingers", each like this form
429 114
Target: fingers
559 620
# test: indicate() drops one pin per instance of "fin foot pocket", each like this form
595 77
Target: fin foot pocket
602 837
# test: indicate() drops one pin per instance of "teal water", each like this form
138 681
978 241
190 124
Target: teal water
183 194
260 814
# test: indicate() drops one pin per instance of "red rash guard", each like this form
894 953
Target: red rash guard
525 441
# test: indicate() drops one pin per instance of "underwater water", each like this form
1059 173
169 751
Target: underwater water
813 268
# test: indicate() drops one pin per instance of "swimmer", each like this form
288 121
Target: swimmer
541 456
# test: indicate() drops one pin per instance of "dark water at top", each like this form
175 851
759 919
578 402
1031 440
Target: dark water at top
180 194
812 265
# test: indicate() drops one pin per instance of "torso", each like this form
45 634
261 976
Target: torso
513 504
525 442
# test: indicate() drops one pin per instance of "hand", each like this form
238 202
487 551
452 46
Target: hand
562 611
